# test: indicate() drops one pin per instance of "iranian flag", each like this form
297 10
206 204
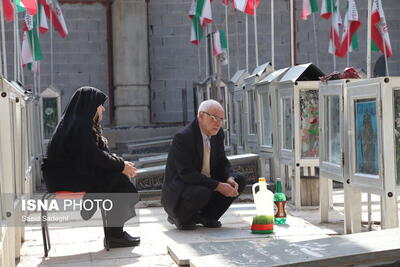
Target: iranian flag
219 42
200 14
226 2
351 25
27 5
201 9
334 38
246 6
57 17
26 51
327 8
379 30
8 10
43 25
31 50
196 33
309 6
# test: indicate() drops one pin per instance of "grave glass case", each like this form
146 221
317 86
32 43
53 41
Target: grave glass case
298 125
373 141
332 125
235 88
267 98
51 111
396 107
252 123
309 123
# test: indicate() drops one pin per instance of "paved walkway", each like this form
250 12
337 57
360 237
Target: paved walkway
83 245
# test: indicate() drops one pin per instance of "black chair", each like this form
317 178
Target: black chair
45 228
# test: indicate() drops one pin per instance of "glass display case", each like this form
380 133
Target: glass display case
373 116
252 123
332 117
235 88
298 125
332 163
51 111
267 98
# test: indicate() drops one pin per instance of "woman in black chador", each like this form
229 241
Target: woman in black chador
78 160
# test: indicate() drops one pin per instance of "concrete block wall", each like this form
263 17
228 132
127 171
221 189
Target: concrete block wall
174 60
79 59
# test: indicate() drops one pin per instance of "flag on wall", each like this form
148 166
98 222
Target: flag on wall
351 25
57 17
246 6
220 46
327 8
334 38
8 10
379 30
201 9
31 51
196 33
309 6
27 5
200 14
219 42
43 25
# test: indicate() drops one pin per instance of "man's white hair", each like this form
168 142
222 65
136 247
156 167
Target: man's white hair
207 104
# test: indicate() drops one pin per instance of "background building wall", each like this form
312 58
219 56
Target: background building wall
174 63
81 58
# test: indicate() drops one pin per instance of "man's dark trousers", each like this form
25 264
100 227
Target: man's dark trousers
200 201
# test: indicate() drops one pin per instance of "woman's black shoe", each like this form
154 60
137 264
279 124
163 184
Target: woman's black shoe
126 240
87 214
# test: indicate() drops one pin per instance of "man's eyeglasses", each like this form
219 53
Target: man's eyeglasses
215 118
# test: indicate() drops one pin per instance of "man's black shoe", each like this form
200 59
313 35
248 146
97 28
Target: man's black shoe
181 226
125 240
210 223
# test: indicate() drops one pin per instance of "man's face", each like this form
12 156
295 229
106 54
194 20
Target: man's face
211 121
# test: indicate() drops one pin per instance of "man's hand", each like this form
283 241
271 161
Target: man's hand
233 183
129 169
227 190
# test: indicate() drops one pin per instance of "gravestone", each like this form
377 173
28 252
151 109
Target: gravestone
361 248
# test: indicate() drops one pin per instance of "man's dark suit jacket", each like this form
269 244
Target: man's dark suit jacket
184 163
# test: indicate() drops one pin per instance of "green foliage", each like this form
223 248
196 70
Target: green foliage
263 219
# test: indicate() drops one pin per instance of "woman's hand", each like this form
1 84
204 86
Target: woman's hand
129 169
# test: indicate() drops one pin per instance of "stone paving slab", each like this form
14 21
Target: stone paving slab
361 248
82 245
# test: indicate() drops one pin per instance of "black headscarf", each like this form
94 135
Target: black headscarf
74 137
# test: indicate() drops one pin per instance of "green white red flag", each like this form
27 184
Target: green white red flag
309 7
327 8
8 10
201 9
196 33
220 45
351 25
219 42
27 5
379 30
246 6
57 18
200 14
31 51
334 38
43 25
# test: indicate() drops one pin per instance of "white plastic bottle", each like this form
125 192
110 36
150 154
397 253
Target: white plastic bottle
264 199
